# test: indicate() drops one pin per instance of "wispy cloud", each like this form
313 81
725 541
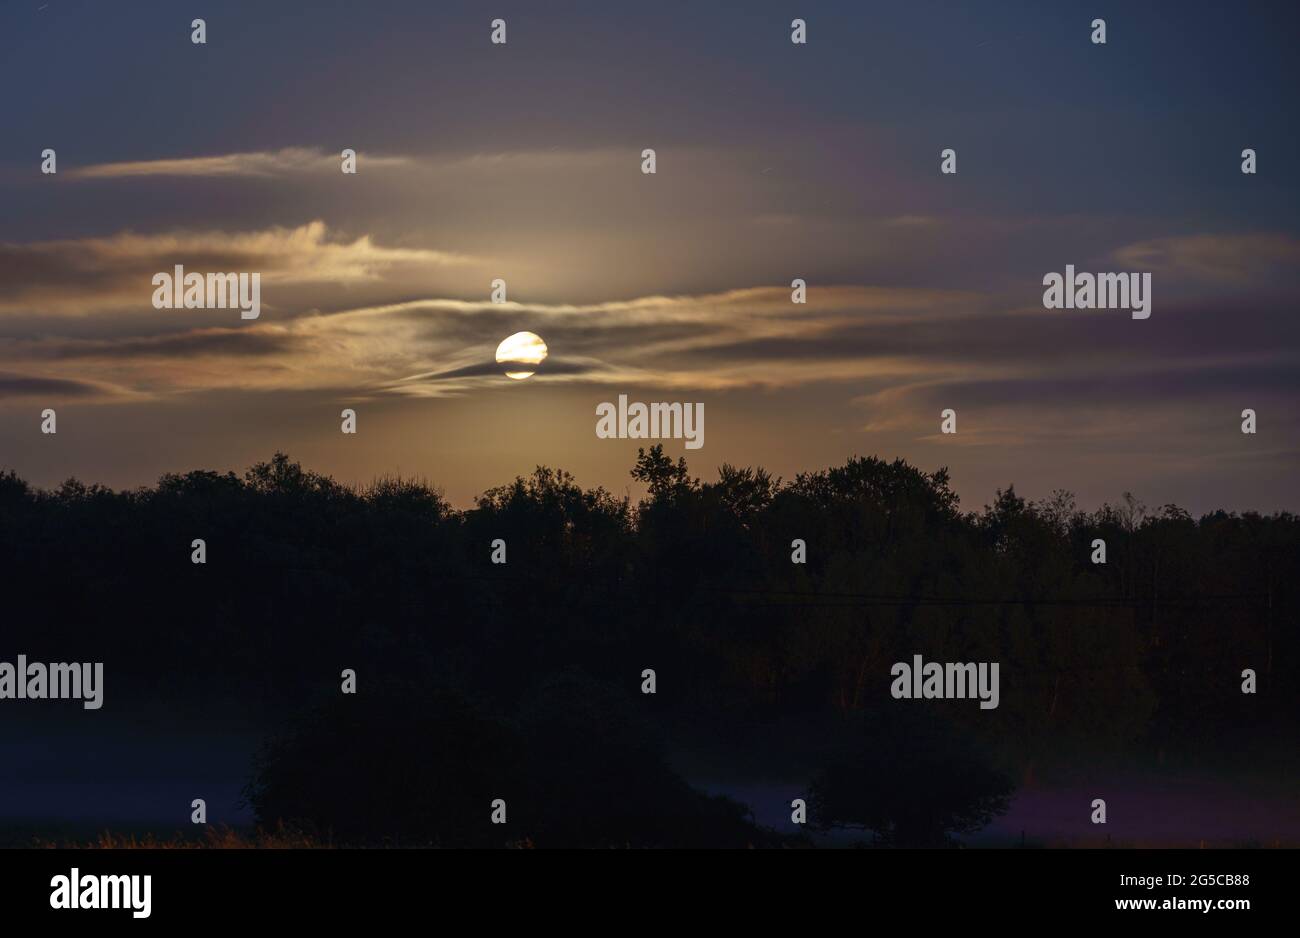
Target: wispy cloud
441 347
265 163
12 385
85 275
893 357
1231 258
895 345
288 160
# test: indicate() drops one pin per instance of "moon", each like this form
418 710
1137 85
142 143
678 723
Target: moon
522 348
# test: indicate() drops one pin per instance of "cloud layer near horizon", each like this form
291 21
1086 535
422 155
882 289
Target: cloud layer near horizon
1019 375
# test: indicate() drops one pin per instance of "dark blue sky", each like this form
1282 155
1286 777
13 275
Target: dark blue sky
1047 119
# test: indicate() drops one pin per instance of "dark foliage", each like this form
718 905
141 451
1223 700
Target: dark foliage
402 766
911 781
305 577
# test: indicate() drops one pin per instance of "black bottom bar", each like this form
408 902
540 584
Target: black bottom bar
329 887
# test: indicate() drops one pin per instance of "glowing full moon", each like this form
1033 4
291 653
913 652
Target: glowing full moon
522 348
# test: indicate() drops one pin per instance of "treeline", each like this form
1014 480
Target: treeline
305 577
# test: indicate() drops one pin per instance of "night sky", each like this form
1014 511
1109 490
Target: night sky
775 161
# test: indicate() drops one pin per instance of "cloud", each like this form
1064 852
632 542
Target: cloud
497 164
493 368
12 385
898 354
266 163
440 347
85 275
199 343
1235 259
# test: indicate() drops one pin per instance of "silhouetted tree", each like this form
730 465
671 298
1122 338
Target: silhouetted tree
304 576
912 781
